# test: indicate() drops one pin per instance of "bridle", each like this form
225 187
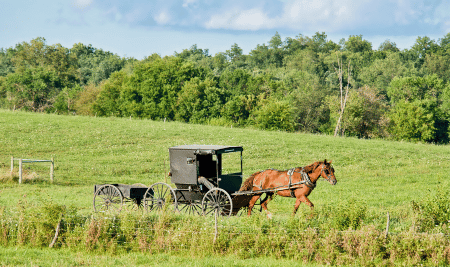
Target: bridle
329 177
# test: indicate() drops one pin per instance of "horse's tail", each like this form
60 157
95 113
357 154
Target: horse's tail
248 184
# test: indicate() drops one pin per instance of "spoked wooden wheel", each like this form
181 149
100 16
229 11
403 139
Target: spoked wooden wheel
133 204
191 207
159 196
108 198
218 200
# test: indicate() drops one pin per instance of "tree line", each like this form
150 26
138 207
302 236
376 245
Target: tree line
307 84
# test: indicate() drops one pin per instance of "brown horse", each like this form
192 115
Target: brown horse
297 182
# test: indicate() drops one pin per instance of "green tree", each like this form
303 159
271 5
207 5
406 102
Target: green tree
199 101
66 98
307 61
381 72
273 114
238 108
356 44
32 88
388 46
437 64
108 101
235 82
95 65
365 113
414 88
152 90
40 73
6 64
306 95
422 47
414 120
275 41
234 53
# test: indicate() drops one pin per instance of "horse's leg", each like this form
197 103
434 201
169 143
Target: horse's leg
265 203
300 199
252 203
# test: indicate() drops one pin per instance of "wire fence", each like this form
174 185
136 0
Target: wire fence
242 237
203 224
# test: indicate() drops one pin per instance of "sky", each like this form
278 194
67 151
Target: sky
140 28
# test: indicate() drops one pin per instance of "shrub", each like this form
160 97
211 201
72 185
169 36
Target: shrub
433 212
346 215
273 114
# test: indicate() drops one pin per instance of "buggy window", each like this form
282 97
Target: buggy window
231 163
206 166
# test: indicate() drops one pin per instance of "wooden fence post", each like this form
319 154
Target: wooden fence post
216 232
387 225
52 167
12 164
20 171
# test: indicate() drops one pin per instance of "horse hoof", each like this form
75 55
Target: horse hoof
269 215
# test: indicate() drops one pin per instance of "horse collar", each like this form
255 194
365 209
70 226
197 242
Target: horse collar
290 173
308 181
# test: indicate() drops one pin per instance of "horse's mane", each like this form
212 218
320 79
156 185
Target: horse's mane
310 168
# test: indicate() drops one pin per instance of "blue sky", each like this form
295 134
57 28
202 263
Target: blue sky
139 28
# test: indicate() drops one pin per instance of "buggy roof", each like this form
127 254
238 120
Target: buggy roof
208 149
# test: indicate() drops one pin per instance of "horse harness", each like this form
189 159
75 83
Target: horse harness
305 180
292 186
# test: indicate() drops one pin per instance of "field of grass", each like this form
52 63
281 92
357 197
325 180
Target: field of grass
382 176
62 258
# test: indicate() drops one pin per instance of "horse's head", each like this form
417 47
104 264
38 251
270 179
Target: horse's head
328 172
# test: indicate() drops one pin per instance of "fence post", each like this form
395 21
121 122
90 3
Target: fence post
387 225
52 167
12 164
216 232
20 171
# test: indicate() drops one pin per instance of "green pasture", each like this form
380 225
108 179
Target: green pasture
384 175
87 150
38 257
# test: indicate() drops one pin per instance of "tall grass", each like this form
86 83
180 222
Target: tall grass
242 237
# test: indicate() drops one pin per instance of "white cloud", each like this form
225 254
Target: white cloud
407 11
81 4
162 18
331 16
295 15
442 16
187 3
253 19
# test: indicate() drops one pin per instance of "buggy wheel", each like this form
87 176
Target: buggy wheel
108 198
218 200
191 207
132 204
159 196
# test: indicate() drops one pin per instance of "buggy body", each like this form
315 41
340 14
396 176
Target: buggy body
195 169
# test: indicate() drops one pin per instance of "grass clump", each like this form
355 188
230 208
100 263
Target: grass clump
433 212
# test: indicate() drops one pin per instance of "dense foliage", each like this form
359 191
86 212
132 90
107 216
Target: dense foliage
298 84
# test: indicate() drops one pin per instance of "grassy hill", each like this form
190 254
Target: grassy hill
383 175
374 177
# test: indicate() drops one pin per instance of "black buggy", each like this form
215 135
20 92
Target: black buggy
202 187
